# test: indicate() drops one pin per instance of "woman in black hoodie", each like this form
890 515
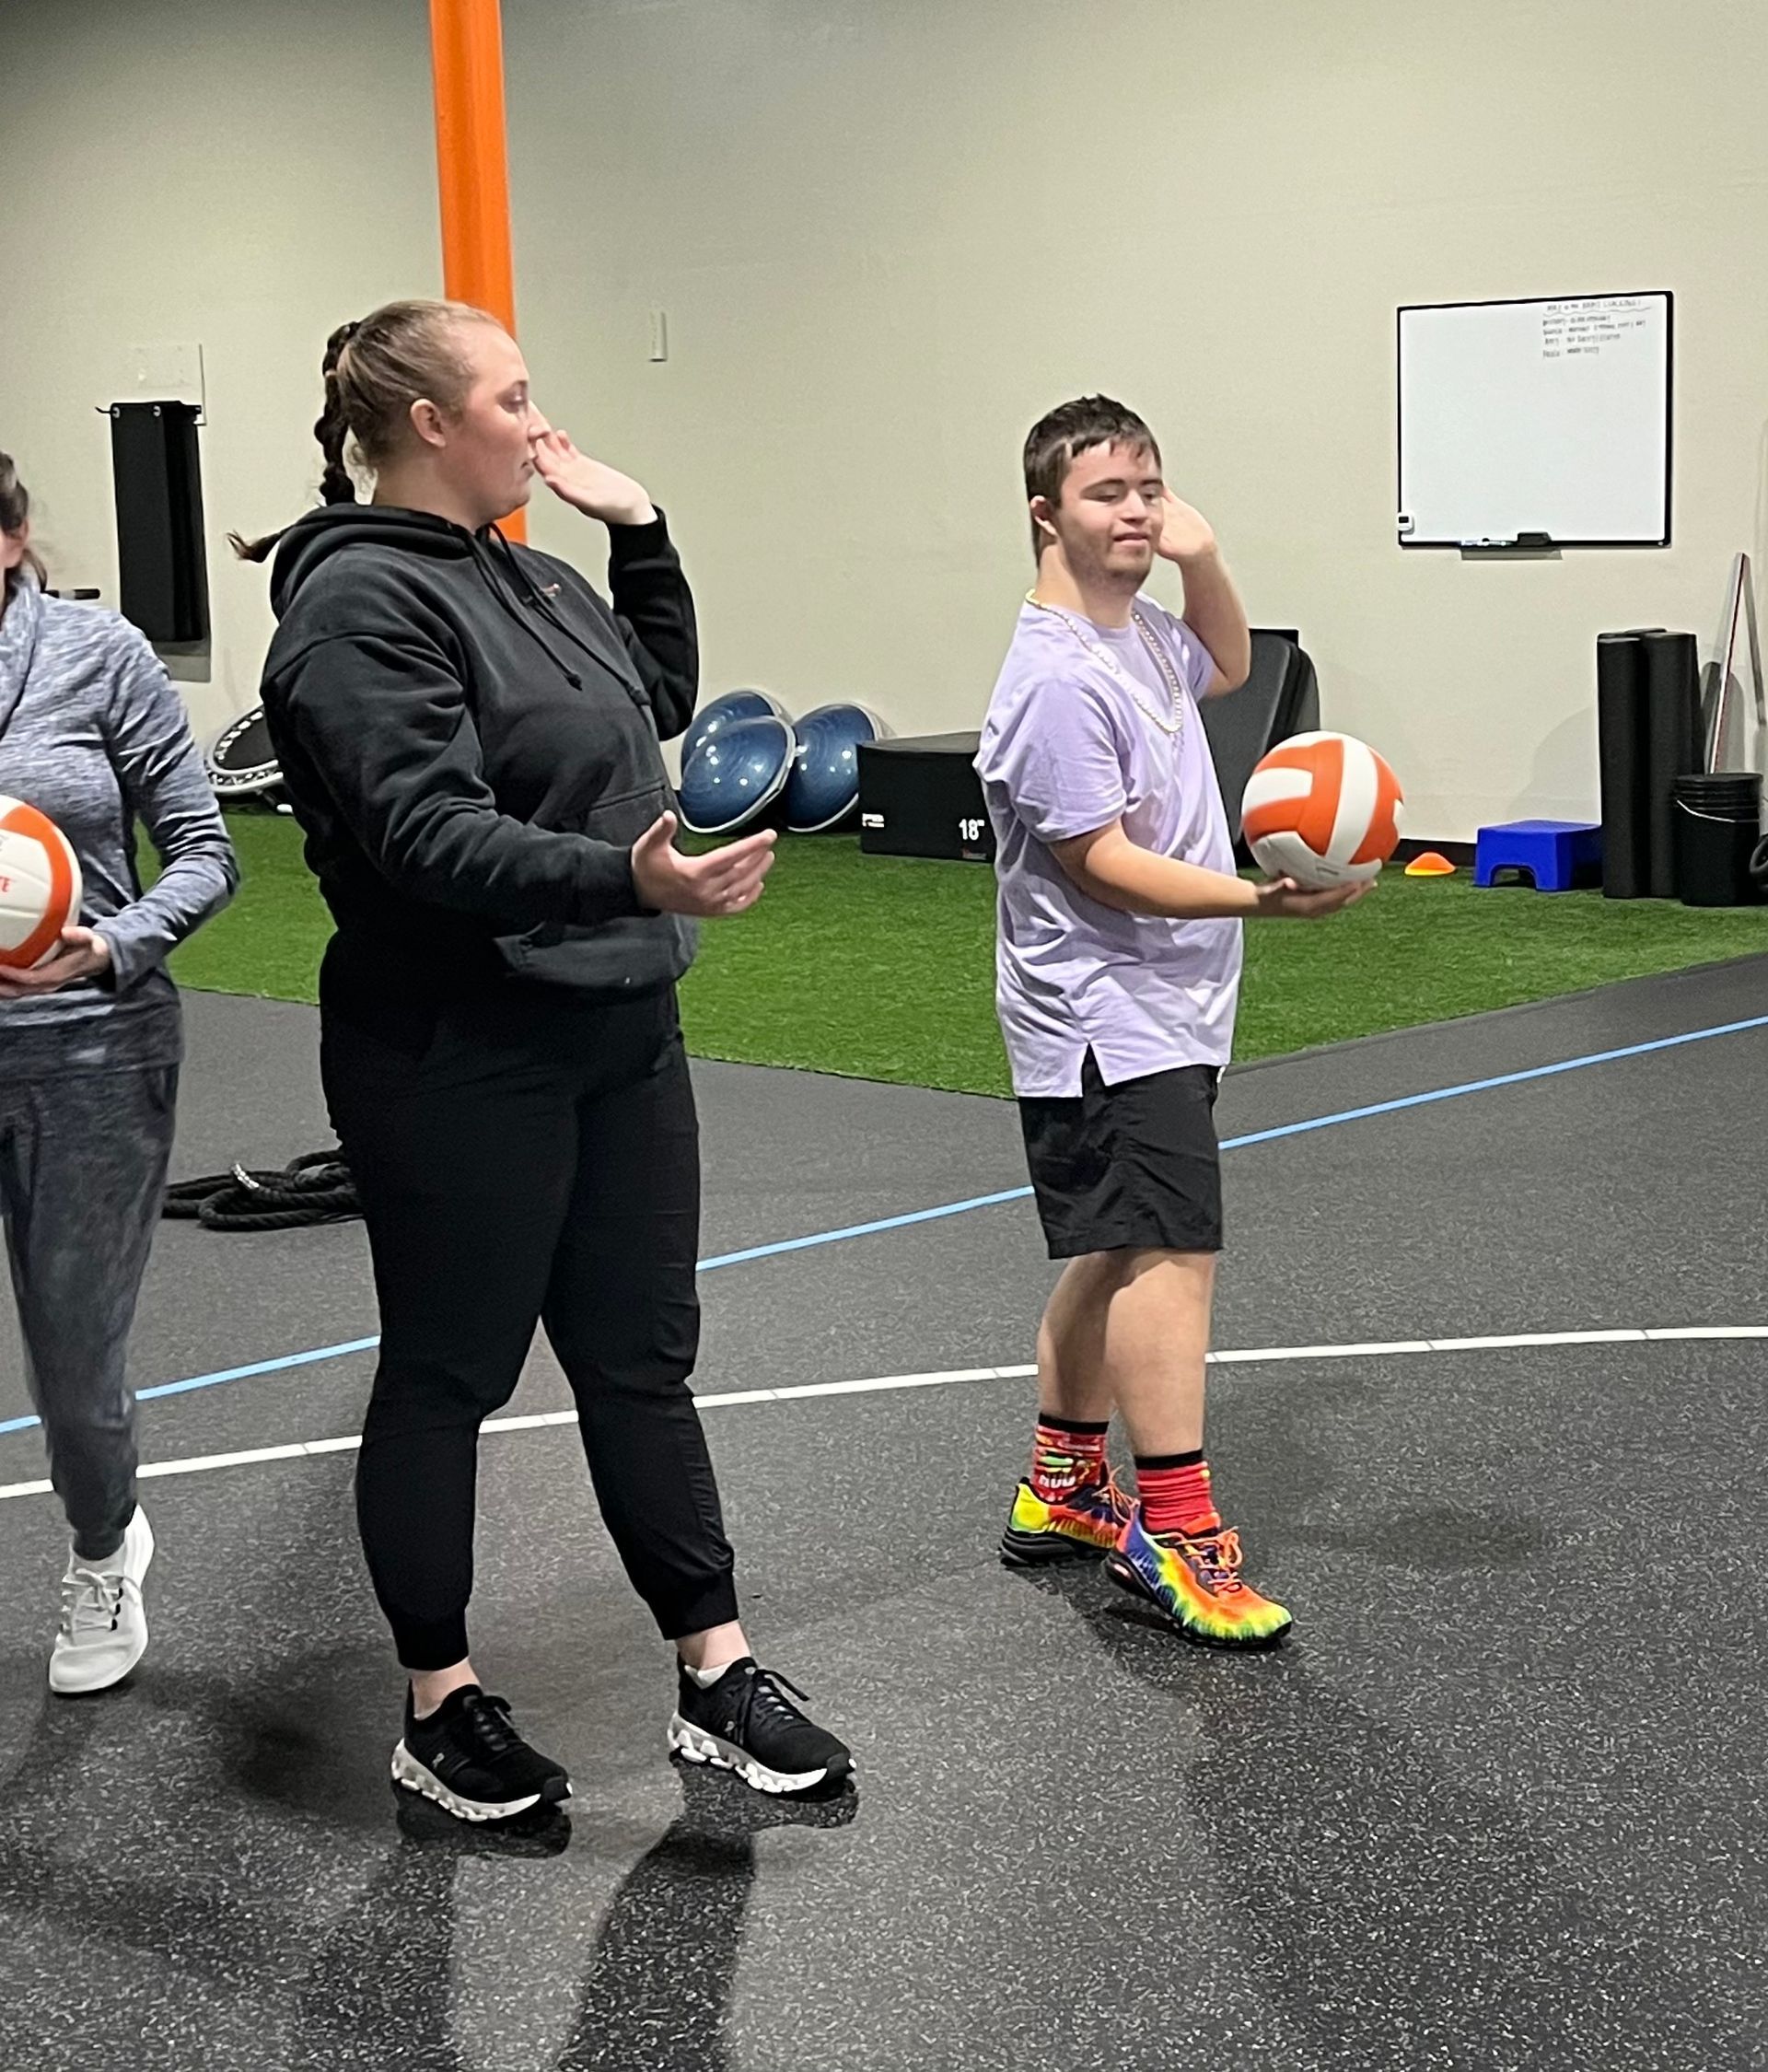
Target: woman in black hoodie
469 738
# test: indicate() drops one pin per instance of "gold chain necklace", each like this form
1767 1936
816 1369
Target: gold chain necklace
1162 661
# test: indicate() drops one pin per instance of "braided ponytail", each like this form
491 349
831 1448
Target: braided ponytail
332 430
374 371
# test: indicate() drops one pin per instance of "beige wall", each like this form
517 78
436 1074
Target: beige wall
887 236
241 174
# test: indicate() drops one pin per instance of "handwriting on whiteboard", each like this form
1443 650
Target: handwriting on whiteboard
1571 330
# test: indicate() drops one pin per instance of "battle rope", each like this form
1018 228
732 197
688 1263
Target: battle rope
314 1189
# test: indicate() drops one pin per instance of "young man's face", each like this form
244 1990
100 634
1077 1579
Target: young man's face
1108 513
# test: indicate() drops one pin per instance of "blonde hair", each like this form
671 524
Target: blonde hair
374 371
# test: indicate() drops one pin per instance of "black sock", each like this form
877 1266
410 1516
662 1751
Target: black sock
1158 1461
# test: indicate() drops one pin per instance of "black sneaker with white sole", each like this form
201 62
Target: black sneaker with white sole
468 1757
746 1722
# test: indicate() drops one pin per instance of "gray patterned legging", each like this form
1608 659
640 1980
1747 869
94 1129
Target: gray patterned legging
83 1159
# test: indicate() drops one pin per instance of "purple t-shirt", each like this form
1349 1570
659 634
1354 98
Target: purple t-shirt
1066 749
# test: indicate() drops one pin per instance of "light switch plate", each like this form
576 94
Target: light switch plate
167 372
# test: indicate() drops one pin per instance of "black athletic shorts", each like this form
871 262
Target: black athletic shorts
1132 1166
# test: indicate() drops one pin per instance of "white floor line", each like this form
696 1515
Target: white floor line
1391 1348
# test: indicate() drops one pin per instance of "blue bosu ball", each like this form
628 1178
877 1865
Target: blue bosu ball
823 790
736 774
728 711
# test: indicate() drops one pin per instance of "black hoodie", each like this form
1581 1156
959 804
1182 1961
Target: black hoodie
469 737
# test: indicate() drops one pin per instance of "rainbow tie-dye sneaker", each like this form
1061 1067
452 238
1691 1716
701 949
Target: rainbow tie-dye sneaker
1197 1583
1085 1523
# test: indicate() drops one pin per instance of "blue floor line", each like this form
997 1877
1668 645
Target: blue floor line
1502 1079
1010 1194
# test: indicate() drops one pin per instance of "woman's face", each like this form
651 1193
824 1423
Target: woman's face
487 451
12 550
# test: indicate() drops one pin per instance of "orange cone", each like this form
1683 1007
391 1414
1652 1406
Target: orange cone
1430 864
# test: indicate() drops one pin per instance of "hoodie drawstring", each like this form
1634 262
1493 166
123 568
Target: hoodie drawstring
487 558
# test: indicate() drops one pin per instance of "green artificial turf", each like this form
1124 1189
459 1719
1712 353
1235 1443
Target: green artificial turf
884 968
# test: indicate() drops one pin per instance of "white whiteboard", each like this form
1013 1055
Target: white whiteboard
1549 416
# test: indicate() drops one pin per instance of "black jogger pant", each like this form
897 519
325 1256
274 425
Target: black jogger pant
523 1157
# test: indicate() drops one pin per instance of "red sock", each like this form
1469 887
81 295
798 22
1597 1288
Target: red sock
1066 1455
1174 1488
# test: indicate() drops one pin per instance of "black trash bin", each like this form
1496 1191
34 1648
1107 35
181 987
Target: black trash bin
1718 827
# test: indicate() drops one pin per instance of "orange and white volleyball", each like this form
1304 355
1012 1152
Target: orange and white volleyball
40 886
1324 810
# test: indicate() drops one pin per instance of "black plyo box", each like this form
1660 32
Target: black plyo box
922 798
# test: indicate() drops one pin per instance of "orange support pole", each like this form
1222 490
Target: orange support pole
472 161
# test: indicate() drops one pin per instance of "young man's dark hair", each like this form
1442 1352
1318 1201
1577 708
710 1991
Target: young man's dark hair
1071 429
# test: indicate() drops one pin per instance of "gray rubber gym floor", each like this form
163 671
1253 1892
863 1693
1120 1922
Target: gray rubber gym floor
1500 1803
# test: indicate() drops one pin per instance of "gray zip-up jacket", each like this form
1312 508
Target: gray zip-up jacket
93 735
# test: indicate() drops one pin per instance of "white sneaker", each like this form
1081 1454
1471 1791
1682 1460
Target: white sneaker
104 1629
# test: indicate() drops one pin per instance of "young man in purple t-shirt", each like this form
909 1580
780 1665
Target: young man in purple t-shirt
1118 972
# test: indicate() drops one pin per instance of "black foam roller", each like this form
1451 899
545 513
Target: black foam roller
1620 752
1673 680
160 554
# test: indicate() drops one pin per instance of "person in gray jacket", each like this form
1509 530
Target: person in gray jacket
94 736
